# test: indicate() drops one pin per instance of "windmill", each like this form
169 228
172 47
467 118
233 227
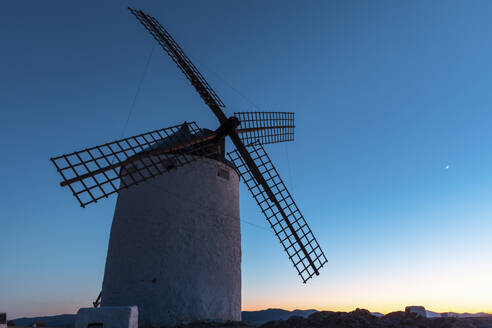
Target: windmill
174 246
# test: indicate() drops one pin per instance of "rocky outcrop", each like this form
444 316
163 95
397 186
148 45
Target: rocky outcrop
358 318
364 319
258 318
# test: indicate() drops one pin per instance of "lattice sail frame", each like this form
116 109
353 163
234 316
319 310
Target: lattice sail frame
267 127
97 172
272 214
98 181
174 51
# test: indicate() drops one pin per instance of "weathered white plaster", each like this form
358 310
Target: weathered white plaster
109 317
175 247
418 310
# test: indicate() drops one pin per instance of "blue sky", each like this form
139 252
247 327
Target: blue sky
386 94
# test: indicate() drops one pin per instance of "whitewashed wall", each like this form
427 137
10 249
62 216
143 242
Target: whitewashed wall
175 247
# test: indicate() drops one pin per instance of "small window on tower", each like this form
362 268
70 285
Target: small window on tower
95 325
224 174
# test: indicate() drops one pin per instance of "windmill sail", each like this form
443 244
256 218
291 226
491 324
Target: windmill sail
267 127
97 172
281 211
252 162
174 51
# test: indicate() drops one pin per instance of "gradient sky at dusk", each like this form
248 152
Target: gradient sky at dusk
391 166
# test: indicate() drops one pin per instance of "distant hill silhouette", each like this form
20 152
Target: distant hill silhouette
253 317
62 320
361 318
262 316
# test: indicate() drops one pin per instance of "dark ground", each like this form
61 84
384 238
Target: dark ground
324 319
360 319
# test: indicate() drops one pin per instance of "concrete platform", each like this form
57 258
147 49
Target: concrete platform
107 317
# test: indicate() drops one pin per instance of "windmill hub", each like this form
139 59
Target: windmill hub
227 127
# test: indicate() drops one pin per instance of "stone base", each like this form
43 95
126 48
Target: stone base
107 317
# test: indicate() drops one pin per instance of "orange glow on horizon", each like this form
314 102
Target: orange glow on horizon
383 310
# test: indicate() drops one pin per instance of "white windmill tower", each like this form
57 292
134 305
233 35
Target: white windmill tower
175 242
